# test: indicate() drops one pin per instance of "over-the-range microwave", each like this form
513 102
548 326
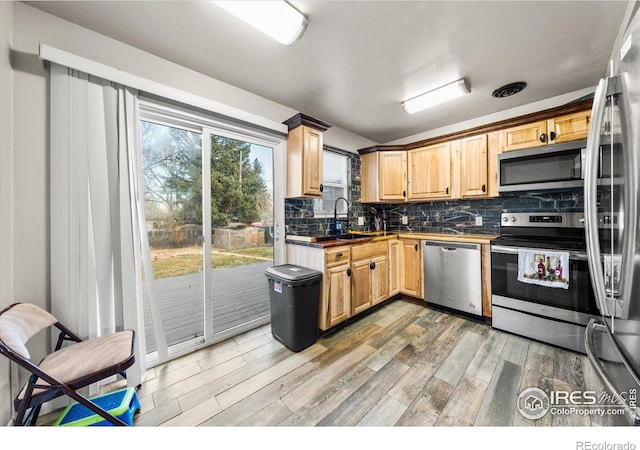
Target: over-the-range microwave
556 166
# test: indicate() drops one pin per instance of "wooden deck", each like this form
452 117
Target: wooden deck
240 294
403 365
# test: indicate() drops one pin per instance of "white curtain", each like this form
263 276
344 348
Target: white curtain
96 209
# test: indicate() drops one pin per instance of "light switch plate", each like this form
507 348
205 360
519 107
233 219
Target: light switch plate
405 220
478 221
360 221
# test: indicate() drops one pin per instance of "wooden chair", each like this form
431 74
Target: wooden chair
66 369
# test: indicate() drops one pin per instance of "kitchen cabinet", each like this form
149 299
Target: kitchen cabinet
370 275
411 267
473 167
430 171
569 127
336 301
304 157
562 128
355 277
384 176
394 267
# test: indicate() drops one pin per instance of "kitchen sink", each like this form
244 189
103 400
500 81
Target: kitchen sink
345 237
354 237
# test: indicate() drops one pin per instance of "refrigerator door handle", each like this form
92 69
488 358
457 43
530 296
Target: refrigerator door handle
592 326
630 205
590 197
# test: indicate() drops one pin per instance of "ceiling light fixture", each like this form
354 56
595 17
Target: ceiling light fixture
437 96
278 20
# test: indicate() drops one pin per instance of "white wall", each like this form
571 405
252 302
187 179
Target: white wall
6 193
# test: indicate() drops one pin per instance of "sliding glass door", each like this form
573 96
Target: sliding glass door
242 231
211 228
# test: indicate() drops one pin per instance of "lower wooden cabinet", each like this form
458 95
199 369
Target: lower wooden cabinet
370 276
335 307
360 286
411 268
394 267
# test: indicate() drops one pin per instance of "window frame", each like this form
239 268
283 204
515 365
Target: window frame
319 213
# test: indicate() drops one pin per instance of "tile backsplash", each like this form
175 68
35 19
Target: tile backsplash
456 216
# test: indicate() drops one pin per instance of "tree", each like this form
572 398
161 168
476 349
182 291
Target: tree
172 171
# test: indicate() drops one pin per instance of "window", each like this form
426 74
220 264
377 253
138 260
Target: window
335 170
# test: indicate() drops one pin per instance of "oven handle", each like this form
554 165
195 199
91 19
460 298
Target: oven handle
590 196
576 256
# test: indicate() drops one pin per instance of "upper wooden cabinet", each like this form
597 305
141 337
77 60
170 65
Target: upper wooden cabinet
524 136
564 128
304 156
569 127
473 167
384 176
430 172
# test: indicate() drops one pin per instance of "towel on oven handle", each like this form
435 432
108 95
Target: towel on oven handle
543 267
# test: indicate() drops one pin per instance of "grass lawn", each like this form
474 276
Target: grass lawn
192 263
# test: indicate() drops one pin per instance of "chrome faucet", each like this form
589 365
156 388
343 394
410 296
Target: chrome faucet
335 214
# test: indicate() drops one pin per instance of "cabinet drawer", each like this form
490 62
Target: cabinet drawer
369 250
336 255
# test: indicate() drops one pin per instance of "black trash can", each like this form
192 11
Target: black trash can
294 293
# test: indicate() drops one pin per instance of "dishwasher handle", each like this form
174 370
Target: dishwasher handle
452 246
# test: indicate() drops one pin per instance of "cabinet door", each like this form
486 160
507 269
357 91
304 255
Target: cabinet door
524 136
379 279
392 175
394 267
369 177
337 290
360 286
473 165
312 162
570 127
411 272
430 172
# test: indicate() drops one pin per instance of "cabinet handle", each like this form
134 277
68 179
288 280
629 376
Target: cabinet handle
416 247
348 271
339 255
447 190
322 188
404 194
552 136
484 188
543 137
372 265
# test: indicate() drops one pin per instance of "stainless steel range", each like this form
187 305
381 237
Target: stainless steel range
556 315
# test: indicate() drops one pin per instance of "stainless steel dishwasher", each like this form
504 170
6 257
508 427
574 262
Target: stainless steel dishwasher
453 275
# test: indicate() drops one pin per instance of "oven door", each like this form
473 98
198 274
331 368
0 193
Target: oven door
504 282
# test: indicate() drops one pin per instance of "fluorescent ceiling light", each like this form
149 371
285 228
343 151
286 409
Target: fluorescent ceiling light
278 20
437 96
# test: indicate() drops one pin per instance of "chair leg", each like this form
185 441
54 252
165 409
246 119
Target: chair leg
32 418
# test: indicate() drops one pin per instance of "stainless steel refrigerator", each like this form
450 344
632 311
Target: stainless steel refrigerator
612 225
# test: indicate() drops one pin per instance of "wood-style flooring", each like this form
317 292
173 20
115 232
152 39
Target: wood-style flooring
404 364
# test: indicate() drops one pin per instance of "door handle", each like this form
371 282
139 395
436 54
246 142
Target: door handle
590 197
339 255
543 137
348 271
322 188
552 136
372 265
447 190
484 188
416 247
404 193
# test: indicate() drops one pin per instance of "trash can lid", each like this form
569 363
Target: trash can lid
293 273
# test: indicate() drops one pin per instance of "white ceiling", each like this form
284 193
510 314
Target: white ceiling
358 60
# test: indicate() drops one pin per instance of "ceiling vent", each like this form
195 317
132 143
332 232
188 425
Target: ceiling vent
509 89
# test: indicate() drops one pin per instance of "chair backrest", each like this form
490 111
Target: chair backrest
19 323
